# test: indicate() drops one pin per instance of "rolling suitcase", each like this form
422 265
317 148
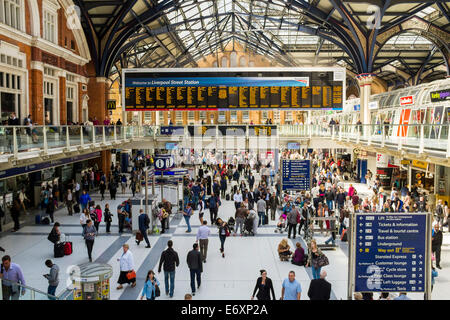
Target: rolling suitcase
76 208
227 197
68 248
58 250
37 219
45 220
344 235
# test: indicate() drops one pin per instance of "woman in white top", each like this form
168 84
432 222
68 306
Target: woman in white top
126 266
84 217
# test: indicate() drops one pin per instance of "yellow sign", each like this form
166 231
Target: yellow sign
420 164
405 162
111 104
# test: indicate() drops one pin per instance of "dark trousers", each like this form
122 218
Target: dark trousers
272 213
15 218
97 225
144 234
108 226
89 245
213 214
437 253
121 218
195 273
164 225
292 226
8 294
113 195
204 248
261 216
222 193
302 223
222 242
51 216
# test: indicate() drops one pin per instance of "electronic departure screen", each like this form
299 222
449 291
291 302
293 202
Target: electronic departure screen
238 89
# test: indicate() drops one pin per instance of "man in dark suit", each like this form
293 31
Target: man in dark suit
320 289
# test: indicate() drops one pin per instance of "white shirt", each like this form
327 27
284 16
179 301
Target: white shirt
127 261
83 218
237 197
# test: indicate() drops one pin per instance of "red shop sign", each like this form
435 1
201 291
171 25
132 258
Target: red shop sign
404 101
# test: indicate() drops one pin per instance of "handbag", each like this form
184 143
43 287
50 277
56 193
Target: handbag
322 261
157 291
131 275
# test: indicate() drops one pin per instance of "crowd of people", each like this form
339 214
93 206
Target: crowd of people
256 203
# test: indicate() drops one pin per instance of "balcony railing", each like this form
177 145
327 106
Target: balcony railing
28 141
29 293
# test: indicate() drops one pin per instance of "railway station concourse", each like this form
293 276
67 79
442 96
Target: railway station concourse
326 118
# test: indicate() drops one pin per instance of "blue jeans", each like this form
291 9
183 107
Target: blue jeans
331 239
195 273
51 290
186 201
170 274
316 272
261 218
187 219
330 204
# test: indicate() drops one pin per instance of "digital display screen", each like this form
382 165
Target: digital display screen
224 90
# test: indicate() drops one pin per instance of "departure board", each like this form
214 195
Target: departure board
219 89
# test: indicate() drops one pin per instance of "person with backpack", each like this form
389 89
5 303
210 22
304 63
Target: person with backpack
151 287
102 187
55 234
121 215
144 224
169 258
108 218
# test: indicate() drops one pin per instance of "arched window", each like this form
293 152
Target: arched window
224 62
242 62
233 59
251 63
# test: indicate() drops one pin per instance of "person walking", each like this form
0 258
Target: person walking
22 198
237 199
264 287
240 215
291 288
11 274
84 217
112 186
293 217
223 234
99 216
150 285
436 243
320 289
69 201
102 188
121 215
273 204
169 258
126 267
202 237
194 262
89 234
261 208
15 213
84 199
332 238
144 224
52 277
50 210
214 204
187 216
316 259
108 218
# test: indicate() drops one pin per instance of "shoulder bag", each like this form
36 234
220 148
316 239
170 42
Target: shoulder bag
322 261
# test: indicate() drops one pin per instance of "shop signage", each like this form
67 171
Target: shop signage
420 164
390 252
357 107
441 95
385 175
406 162
406 101
293 146
111 105
382 160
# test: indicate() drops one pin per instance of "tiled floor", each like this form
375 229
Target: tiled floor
232 277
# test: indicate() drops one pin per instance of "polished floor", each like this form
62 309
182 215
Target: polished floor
229 278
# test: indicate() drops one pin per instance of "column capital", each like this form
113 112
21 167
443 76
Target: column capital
365 78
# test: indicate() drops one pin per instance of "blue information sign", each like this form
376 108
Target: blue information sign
171 130
164 161
296 175
390 252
